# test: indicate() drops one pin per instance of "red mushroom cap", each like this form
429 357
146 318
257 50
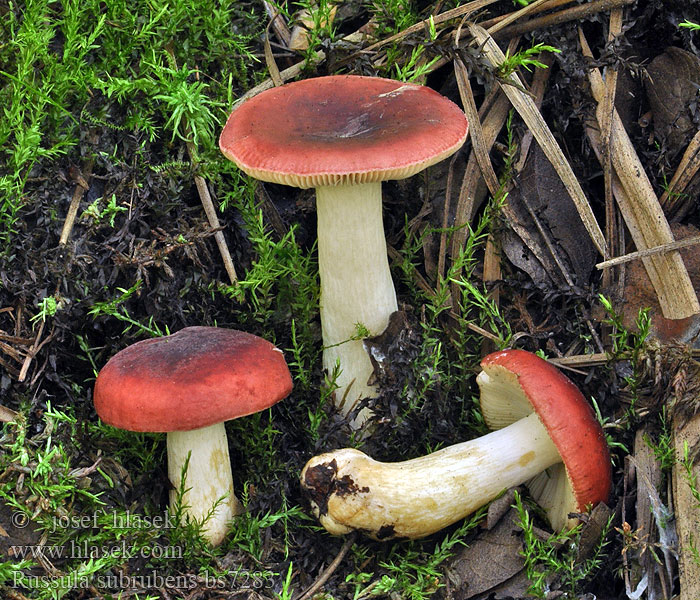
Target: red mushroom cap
194 378
565 414
342 129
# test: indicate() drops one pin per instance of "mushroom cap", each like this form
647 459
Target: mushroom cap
194 378
515 384
342 129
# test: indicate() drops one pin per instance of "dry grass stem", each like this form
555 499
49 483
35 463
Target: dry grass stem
480 148
473 189
672 200
270 62
687 435
278 25
442 253
575 13
676 245
644 217
517 15
537 10
607 108
527 109
81 187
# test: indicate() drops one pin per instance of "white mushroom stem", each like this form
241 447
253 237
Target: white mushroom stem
209 497
356 285
351 491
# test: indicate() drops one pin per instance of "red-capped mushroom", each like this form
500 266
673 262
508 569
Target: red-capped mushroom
513 384
344 135
545 433
188 384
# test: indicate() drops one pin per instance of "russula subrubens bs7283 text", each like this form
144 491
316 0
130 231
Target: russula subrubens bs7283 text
343 136
187 384
546 434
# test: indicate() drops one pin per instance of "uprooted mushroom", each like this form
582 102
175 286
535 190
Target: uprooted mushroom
545 434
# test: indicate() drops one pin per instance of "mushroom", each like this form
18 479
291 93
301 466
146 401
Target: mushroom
187 384
545 434
343 136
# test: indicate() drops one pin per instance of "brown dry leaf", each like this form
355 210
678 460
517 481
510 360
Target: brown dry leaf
16 531
300 36
557 252
592 531
7 414
671 87
492 560
639 293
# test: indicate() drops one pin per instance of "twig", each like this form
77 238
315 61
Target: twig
285 75
281 30
448 15
518 14
607 110
205 198
475 328
330 569
213 219
296 69
80 189
684 243
575 13
31 353
541 8
582 360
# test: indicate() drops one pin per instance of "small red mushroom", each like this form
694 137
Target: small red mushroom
546 434
344 135
187 384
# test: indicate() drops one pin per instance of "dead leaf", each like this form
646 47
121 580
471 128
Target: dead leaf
7 414
639 293
672 86
551 245
491 560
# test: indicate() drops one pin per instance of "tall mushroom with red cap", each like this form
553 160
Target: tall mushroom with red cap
546 434
344 135
188 384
